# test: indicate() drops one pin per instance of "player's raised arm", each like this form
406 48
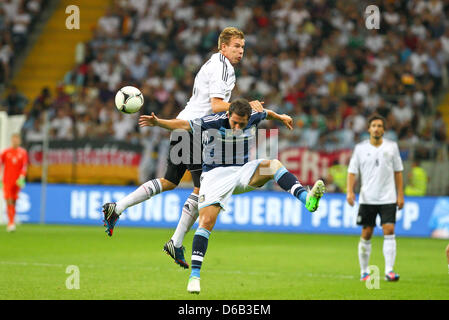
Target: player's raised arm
219 105
173 124
286 119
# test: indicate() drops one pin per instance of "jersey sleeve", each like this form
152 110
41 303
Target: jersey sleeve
217 83
23 172
397 161
204 123
257 117
354 162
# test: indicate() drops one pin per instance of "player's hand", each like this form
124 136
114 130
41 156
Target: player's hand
350 197
21 182
287 120
400 202
256 105
148 121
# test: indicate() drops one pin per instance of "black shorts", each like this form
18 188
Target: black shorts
368 213
175 172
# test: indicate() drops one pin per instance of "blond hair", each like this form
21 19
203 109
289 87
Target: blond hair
227 34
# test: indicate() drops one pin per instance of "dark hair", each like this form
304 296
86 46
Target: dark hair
376 117
240 107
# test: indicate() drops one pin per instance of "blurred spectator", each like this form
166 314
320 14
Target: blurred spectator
337 174
14 102
308 59
417 180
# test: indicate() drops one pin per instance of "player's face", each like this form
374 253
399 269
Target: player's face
15 141
234 50
237 122
376 129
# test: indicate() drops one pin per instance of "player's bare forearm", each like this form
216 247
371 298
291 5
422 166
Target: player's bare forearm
350 183
350 196
172 124
286 119
399 188
219 105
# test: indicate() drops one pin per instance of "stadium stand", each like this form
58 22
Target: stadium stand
312 60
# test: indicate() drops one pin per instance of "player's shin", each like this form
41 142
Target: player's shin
189 215
364 252
11 210
290 183
199 247
389 251
144 192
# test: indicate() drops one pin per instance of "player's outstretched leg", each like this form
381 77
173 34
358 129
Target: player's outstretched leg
112 211
274 169
314 196
174 247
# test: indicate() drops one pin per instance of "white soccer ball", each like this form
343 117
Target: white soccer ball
129 99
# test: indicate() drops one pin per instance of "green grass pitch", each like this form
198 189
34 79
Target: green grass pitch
238 265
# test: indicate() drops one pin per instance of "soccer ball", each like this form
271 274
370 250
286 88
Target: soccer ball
129 99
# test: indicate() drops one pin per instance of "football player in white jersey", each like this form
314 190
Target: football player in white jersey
211 93
381 192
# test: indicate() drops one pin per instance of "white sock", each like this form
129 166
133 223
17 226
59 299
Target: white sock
389 250
189 215
144 192
364 253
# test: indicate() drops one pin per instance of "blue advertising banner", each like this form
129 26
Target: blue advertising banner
254 211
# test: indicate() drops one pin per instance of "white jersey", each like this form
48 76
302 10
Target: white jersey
377 166
216 79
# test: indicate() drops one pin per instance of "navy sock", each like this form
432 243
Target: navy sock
199 247
287 181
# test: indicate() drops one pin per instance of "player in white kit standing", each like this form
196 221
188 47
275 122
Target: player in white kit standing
211 94
381 192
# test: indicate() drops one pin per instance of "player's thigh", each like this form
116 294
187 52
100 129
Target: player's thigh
195 162
217 186
195 171
10 193
175 171
367 214
264 172
251 176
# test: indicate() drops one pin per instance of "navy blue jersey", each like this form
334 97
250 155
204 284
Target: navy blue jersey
221 146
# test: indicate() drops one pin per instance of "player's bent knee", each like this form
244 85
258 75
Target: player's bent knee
273 165
167 185
276 164
388 229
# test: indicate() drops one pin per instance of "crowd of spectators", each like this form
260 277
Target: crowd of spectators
17 18
315 60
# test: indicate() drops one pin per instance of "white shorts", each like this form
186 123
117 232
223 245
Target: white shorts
217 185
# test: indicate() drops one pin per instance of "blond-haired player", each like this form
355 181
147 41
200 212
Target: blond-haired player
211 94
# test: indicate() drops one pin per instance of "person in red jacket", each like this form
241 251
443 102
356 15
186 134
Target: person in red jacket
14 161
